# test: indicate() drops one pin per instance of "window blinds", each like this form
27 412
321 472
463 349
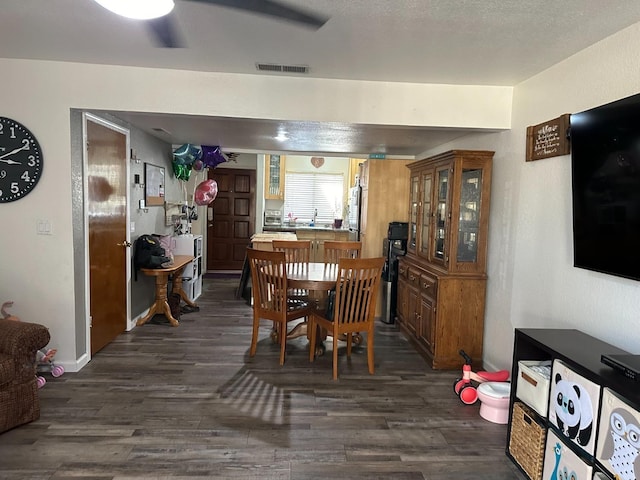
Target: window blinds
305 192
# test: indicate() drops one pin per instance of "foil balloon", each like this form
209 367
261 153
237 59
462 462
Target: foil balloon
187 154
182 172
206 192
212 156
198 165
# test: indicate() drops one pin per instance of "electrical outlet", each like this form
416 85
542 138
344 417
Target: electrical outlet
44 227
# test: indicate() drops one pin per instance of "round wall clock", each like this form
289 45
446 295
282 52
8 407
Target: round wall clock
20 160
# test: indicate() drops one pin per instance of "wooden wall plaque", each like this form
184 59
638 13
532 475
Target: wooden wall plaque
548 139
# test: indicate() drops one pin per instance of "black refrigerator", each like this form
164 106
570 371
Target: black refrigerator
393 246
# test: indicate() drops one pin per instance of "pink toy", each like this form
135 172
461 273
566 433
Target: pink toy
494 401
45 362
467 387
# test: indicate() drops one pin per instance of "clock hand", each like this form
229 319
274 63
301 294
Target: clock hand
10 162
24 147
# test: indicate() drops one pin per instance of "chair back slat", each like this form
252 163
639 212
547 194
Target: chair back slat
296 251
357 290
269 282
334 250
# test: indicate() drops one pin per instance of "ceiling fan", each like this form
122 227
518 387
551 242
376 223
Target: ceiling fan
164 30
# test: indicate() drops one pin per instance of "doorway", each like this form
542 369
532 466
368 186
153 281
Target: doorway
106 216
230 218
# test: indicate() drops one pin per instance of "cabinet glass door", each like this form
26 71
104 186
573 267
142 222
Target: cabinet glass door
440 221
413 213
274 177
426 212
469 220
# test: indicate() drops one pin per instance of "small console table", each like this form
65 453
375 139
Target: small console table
162 279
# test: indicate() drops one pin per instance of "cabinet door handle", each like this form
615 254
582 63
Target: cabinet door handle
529 379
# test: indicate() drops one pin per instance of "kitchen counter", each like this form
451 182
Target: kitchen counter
288 228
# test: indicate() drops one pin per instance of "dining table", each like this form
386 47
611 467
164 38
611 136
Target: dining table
318 278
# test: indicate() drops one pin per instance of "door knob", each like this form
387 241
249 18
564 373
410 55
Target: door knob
124 244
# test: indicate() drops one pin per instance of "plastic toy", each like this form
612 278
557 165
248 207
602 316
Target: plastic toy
45 363
467 387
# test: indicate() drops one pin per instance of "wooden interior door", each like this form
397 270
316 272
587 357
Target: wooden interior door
107 219
230 218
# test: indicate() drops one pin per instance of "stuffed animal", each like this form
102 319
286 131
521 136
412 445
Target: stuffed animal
5 314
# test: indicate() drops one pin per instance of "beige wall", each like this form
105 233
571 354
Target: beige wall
532 281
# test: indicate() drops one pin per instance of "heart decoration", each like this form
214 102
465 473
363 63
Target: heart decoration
317 161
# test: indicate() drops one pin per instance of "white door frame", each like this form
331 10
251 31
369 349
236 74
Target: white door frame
86 117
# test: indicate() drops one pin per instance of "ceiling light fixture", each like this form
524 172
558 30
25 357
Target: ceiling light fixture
138 9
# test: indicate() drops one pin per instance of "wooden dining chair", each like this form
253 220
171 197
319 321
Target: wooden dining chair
269 286
296 251
297 254
334 250
354 307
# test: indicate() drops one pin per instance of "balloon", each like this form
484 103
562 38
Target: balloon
187 154
182 172
206 192
212 156
198 165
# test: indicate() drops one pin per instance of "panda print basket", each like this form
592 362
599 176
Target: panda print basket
574 403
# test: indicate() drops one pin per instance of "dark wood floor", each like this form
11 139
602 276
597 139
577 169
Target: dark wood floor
188 402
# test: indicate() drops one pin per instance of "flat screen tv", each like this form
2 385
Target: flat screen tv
605 169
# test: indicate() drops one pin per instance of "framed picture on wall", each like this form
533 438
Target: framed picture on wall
153 185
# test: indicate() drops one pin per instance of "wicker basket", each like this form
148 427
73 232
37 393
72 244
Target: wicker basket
526 443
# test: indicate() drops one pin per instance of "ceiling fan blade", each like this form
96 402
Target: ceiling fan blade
275 9
164 32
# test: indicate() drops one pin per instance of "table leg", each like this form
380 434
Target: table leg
177 287
148 316
160 305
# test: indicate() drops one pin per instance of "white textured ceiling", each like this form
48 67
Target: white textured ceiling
473 42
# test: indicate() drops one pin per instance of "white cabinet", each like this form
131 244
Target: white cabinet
192 274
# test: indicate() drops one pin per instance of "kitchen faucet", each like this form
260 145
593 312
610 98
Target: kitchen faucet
315 215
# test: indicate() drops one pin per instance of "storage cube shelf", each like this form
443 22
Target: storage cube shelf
576 360
192 274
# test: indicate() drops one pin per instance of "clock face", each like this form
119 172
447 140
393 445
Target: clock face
20 160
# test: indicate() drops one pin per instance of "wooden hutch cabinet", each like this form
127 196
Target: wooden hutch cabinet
442 279
274 177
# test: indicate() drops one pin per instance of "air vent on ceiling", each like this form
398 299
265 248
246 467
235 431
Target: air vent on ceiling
274 67
160 130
